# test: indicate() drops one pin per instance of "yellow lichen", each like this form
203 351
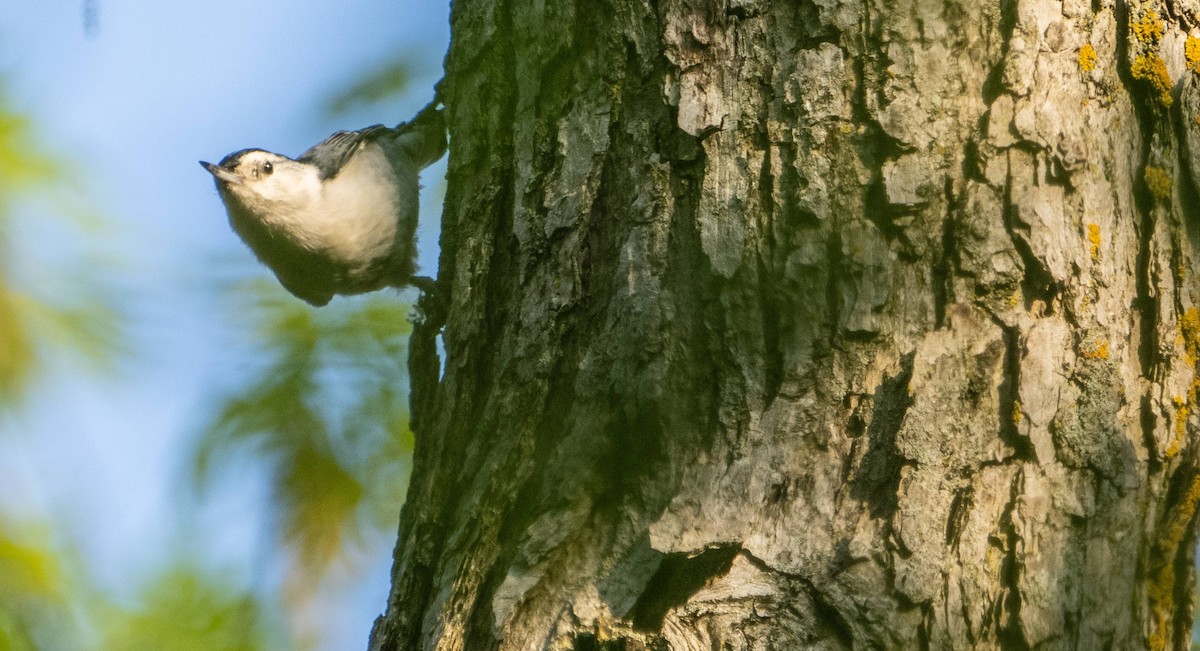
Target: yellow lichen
1151 68
1158 181
1189 327
1176 525
1191 53
1183 408
1014 299
1097 350
1149 28
1016 412
1163 579
1189 338
1182 517
1094 238
1087 58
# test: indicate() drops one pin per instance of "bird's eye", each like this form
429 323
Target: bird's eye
267 168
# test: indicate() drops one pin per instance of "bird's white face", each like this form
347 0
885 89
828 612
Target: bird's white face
267 184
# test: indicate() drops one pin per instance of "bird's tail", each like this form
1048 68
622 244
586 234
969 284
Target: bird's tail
424 136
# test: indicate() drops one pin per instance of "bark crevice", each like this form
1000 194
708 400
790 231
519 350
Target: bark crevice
679 576
877 479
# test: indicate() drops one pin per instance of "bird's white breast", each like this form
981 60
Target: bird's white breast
351 217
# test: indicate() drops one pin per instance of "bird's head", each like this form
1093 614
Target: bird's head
264 182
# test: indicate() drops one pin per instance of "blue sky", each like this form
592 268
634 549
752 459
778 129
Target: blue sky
154 88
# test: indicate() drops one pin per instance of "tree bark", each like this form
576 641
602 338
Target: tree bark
818 324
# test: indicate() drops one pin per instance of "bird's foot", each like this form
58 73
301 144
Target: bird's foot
430 308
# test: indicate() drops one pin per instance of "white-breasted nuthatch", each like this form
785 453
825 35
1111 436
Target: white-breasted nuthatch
341 218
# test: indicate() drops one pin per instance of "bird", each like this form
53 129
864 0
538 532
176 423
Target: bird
341 218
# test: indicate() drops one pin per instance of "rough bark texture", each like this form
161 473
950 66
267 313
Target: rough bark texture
810 324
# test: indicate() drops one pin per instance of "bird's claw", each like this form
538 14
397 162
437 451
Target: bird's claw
430 308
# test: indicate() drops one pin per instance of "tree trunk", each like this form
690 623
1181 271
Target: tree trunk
810 324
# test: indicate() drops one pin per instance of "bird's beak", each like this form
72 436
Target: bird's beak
221 173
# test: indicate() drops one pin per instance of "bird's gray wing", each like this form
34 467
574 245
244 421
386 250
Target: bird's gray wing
332 153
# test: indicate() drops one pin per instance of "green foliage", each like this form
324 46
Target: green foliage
23 165
47 603
388 80
28 324
327 410
86 322
28 570
182 610
17 343
13 636
38 590
45 600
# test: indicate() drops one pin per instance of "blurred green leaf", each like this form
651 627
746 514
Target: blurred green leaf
182 610
40 593
388 80
321 495
47 603
28 571
17 347
13 634
328 409
27 323
22 163
84 322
